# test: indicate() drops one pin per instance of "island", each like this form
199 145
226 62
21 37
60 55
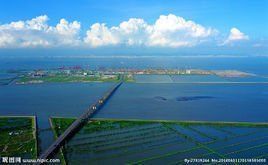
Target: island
80 74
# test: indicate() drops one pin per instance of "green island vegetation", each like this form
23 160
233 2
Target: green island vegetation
124 141
18 137
73 78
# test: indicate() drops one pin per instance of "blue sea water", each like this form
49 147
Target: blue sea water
213 102
6 75
199 102
46 100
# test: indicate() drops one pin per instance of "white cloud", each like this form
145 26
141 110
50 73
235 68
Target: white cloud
131 32
100 35
167 31
173 31
67 33
235 35
36 32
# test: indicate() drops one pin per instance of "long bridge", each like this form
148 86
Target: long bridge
78 124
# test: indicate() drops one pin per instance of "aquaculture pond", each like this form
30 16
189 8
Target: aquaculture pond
103 141
18 137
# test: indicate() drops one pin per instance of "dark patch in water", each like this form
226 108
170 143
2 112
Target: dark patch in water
160 98
190 98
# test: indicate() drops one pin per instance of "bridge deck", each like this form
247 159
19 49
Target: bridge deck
78 123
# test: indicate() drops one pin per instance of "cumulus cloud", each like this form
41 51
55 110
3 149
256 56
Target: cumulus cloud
173 31
167 31
36 32
235 35
131 32
100 35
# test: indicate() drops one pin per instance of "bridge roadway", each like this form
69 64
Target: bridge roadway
78 123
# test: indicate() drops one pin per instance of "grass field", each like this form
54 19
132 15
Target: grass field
70 78
18 137
161 142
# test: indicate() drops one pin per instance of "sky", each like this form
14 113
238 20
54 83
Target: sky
134 27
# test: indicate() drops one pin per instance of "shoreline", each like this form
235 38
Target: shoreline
174 121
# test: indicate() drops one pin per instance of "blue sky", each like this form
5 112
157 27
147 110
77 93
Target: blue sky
225 25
